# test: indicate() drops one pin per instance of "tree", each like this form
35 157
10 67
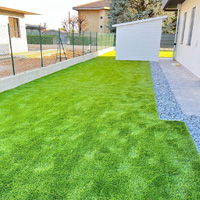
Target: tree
45 25
70 24
117 13
63 29
131 10
82 22
77 23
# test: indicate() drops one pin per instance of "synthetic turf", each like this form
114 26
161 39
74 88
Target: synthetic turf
92 132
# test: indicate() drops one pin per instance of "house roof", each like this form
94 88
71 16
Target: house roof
171 5
97 5
17 11
36 27
140 21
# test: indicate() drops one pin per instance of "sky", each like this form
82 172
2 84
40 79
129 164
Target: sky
52 11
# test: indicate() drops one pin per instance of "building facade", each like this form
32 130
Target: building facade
96 15
188 35
15 19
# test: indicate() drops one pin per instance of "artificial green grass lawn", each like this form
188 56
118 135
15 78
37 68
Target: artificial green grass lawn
92 132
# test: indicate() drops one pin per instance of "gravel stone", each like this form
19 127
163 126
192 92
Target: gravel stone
168 107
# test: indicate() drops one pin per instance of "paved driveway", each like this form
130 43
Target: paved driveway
185 86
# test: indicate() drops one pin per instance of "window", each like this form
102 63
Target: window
101 17
101 26
191 26
14 27
183 30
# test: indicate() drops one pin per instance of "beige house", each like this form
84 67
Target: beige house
96 14
15 18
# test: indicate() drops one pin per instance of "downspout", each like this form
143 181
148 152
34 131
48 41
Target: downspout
177 30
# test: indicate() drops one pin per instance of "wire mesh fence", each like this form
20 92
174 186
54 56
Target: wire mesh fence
5 57
23 50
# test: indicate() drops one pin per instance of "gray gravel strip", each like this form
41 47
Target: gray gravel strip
168 107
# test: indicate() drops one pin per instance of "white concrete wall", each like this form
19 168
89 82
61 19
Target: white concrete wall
3 20
4 39
18 44
189 55
25 77
139 41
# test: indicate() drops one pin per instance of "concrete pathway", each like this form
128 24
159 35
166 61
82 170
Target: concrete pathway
184 85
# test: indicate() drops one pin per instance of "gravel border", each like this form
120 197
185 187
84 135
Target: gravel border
167 105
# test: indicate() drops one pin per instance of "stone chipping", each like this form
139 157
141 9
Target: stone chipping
167 105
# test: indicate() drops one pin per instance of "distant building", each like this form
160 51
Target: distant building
15 18
33 29
96 14
63 35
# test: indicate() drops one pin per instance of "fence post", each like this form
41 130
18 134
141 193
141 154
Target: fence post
83 42
73 40
107 40
110 43
90 42
11 51
114 39
101 41
41 46
59 43
96 41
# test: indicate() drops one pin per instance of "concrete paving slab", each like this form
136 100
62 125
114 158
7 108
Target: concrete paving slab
184 85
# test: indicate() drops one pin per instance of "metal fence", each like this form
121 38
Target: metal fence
23 50
167 41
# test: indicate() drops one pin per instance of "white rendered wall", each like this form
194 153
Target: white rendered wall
18 44
189 55
139 41
4 39
3 20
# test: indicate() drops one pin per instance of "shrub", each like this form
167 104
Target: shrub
78 40
35 39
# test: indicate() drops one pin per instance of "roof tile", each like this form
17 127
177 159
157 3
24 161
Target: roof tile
97 4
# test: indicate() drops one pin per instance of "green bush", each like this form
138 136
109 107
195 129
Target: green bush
78 40
35 39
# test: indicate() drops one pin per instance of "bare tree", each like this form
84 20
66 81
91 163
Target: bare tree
45 25
70 24
82 22
77 23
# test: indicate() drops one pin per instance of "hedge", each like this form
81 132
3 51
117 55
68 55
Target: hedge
48 39
35 39
78 40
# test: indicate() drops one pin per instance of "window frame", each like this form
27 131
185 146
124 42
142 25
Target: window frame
191 25
14 27
183 28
